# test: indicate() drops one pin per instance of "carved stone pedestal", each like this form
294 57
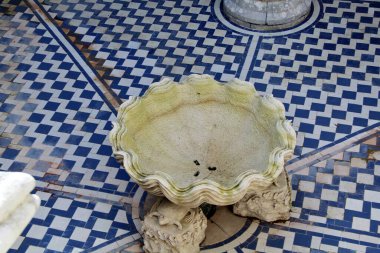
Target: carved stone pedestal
202 141
169 228
269 204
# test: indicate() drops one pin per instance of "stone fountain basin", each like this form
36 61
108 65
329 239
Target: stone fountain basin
202 141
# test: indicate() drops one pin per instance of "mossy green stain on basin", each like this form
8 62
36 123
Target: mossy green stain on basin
228 127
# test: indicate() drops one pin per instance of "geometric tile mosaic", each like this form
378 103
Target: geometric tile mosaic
135 43
57 124
54 126
326 75
54 122
73 225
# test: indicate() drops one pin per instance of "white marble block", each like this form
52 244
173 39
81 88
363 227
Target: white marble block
17 206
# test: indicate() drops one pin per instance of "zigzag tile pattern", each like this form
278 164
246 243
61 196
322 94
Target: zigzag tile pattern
54 126
327 76
133 44
65 224
57 123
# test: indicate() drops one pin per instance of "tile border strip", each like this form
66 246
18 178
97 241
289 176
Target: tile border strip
109 97
116 244
250 59
331 149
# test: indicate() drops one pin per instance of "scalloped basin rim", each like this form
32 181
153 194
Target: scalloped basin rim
202 137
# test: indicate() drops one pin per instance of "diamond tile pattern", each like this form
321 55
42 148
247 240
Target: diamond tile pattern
328 76
54 126
54 123
58 124
73 224
135 43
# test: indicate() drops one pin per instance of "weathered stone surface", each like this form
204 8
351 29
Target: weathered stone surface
250 13
284 12
202 141
270 204
247 11
169 228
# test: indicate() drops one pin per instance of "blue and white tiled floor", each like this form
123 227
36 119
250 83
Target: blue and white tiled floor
66 65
